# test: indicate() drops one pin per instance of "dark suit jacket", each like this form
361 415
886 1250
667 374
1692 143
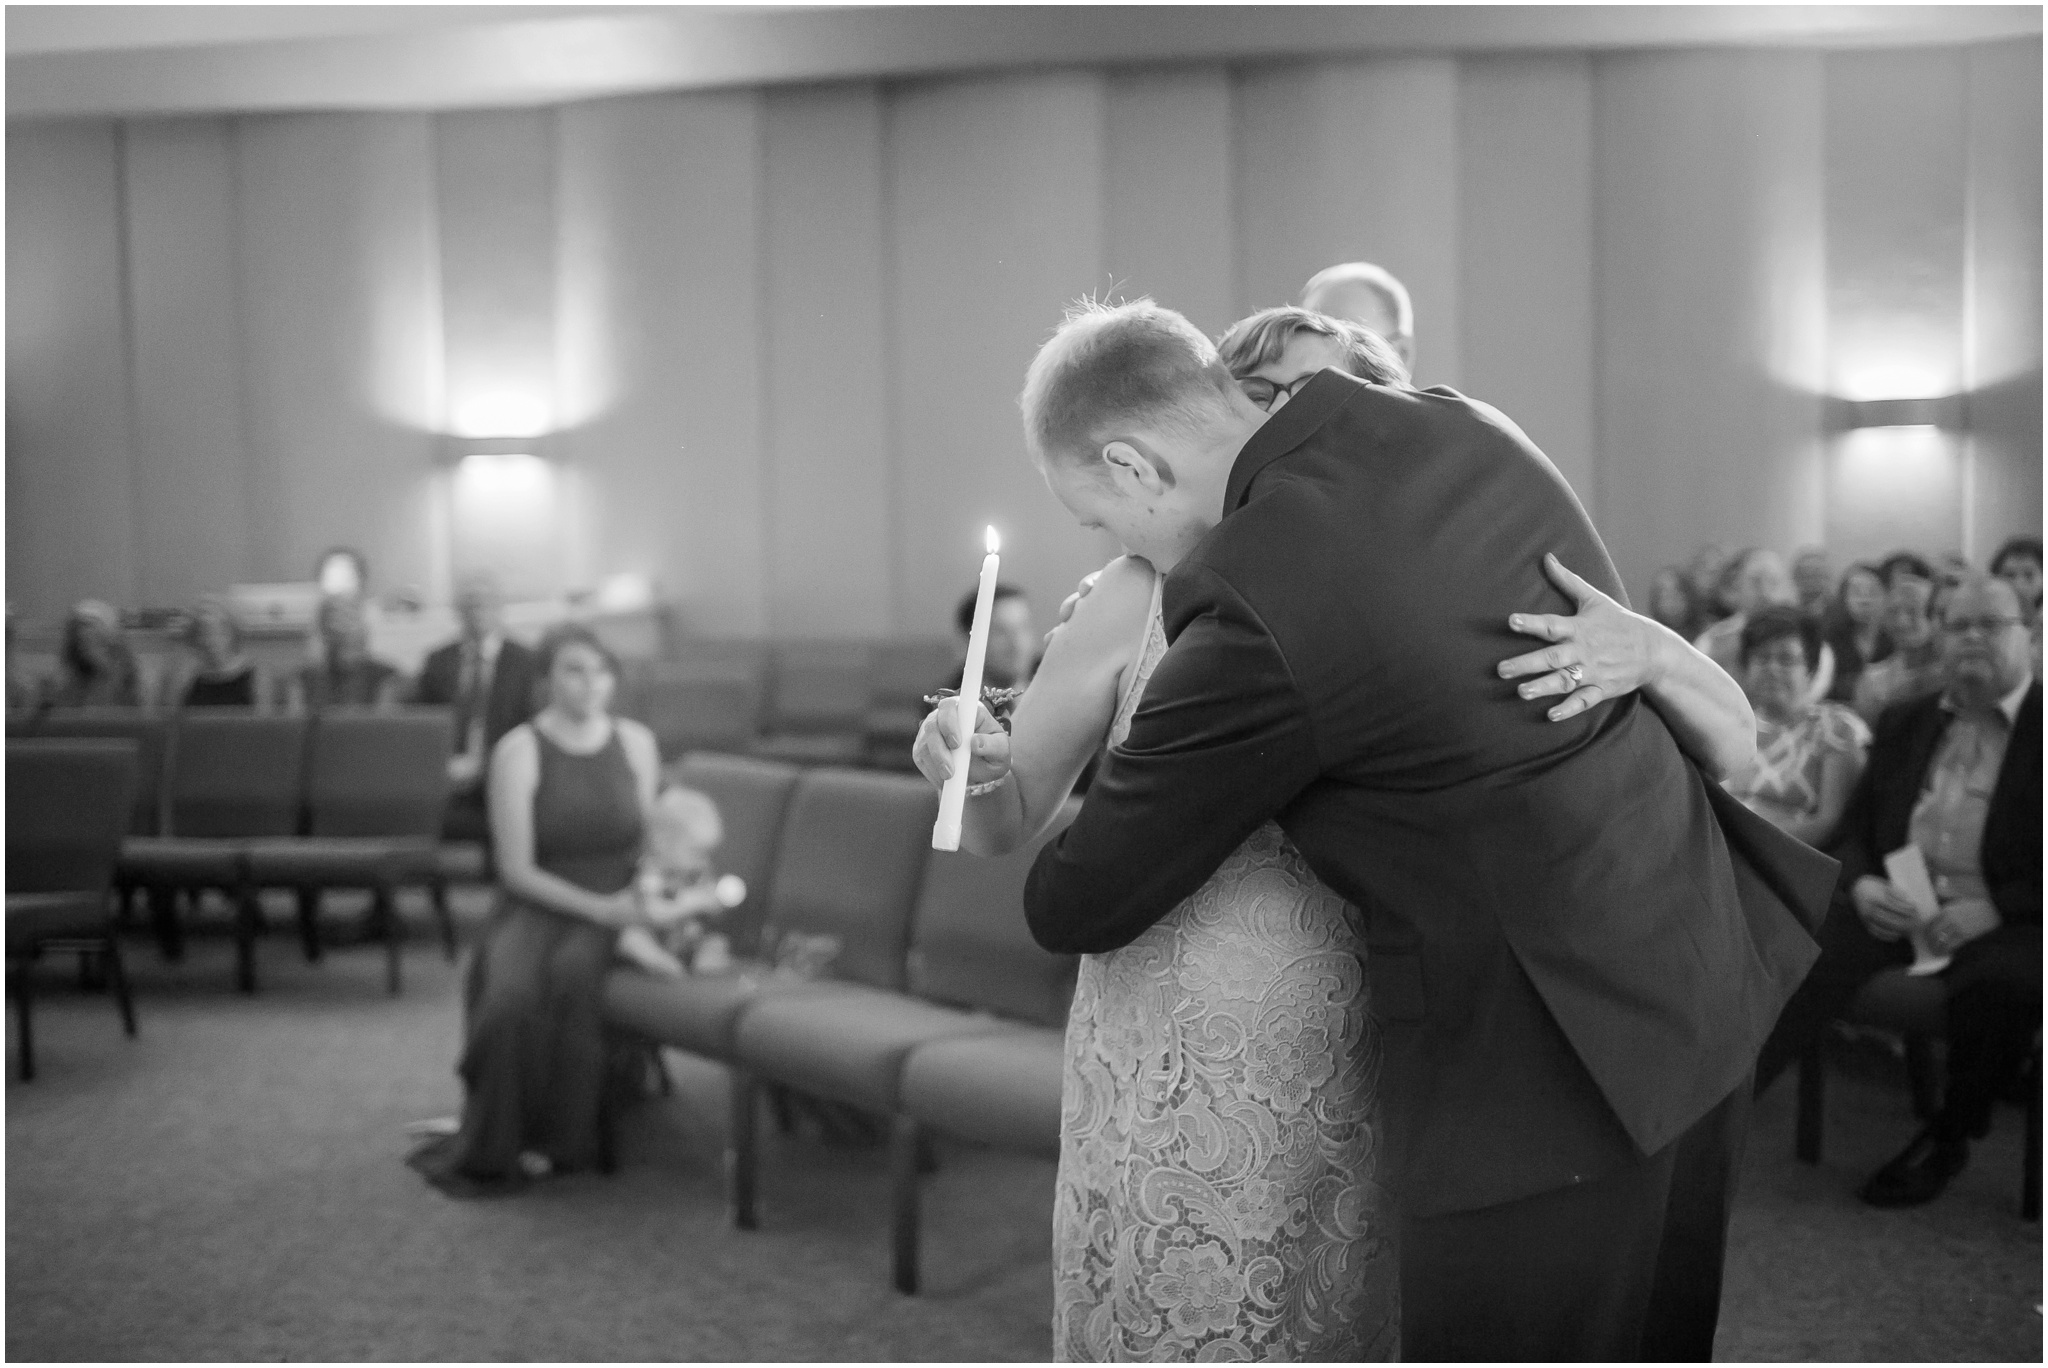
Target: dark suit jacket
511 700
1880 811
1570 967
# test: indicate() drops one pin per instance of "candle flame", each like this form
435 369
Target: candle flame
994 542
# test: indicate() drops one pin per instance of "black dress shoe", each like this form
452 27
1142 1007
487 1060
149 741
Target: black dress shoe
1919 1172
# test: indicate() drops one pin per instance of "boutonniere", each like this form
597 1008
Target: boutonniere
999 702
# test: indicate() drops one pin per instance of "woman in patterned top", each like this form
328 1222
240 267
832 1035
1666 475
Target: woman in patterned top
1808 754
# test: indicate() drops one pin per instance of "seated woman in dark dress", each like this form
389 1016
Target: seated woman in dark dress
569 796
346 674
219 673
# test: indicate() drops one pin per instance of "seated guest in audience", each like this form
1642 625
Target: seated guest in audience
488 680
1813 581
1756 579
2018 563
95 668
345 675
1671 602
1012 640
1703 572
1808 754
1913 669
1958 775
1904 563
217 672
1855 628
570 796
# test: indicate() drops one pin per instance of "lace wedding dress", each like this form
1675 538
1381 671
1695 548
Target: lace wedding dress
1217 1195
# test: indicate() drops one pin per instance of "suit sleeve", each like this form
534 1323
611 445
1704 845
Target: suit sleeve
1221 743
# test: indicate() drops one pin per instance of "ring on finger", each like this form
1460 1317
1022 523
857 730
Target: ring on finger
1576 673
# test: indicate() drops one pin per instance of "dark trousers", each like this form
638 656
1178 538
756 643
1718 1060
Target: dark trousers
1994 1010
1624 1266
534 1058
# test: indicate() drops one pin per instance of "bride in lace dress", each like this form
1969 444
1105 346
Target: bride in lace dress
1218 1195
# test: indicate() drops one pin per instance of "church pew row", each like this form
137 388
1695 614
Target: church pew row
937 1011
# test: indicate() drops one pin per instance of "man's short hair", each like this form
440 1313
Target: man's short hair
1259 340
1112 369
963 615
1378 279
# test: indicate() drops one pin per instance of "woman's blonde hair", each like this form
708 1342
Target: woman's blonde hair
1259 340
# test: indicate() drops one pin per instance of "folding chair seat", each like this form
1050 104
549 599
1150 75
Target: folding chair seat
232 778
375 790
68 801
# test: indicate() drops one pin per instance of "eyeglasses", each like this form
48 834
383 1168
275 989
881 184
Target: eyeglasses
1986 626
1265 393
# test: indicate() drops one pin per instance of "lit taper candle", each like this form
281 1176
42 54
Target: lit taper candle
953 797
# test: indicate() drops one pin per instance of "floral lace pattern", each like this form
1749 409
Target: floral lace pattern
1217 1195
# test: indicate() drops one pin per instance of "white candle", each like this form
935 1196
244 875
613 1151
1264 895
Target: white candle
953 797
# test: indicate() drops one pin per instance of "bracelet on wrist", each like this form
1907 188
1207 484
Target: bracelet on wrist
977 790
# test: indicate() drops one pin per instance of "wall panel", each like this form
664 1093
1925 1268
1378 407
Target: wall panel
192 464
1525 251
997 207
1348 161
660 237
340 327
831 515
1170 228
70 455
2003 294
1707 278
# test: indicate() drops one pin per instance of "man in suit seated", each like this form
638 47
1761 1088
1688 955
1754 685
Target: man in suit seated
1958 774
488 679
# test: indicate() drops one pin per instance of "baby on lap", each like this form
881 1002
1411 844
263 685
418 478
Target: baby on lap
678 891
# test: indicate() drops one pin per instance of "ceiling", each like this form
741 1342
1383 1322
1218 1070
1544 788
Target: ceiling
65 60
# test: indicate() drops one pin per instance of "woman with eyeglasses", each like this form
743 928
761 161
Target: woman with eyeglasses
1808 754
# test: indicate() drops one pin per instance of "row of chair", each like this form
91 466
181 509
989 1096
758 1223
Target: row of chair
240 802
816 702
937 1009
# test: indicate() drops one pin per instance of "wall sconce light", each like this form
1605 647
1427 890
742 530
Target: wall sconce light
1941 411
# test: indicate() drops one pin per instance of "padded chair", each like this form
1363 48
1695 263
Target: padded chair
972 950
900 674
151 735
376 788
232 778
1917 1009
817 703
689 709
68 802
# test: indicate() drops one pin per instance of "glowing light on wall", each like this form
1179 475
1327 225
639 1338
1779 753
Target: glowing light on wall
509 413
503 516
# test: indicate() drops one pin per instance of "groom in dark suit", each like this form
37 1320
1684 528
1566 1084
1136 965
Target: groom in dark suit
1577 944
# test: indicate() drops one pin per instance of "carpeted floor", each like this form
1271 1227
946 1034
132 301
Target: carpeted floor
229 1186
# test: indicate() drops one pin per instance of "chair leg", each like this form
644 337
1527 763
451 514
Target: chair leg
906 1141
308 901
1923 1076
2030 1181
740 1151
438 890
1806 1136
24 976
163 919
248 919
117 978
384 910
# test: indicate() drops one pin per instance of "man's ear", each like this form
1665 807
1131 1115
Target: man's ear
1140 463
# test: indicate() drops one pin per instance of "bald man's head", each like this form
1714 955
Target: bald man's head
1366 294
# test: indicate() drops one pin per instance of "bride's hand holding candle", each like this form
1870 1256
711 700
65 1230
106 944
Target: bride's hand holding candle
939 736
